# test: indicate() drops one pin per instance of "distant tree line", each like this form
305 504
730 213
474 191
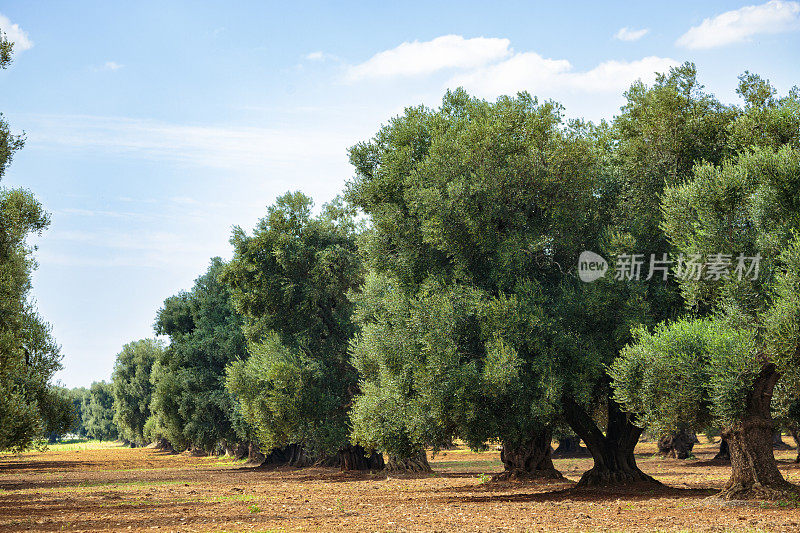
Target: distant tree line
438 298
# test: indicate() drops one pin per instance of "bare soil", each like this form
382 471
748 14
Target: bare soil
120 489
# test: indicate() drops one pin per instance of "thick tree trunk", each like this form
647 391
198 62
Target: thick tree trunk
357 458
416 463
678 445
796 436
754 473
241 451
163 444
724 453
570 447
290 455
254 455
614 461
777 442
529 459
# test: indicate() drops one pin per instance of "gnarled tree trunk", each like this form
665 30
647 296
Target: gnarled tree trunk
164 445
416 463
529 459
357 458
570 447
796 436
777 442
240 451
724 453
754 473
254 455
678 445
614 461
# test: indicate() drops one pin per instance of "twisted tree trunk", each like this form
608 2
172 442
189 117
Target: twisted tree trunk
754 473
416 463
357 458
614 461
796 436
529 459
163 444
724 453
570 447
777 442
678 445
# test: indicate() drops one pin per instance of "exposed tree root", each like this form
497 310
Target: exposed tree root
604 477
417 463
756 491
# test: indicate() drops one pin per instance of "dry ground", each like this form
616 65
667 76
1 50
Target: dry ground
111 488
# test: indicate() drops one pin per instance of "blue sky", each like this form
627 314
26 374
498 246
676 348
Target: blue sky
155 127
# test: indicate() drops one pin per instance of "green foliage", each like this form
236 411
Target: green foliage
98 415
468 327
190 405
80 403
749 204
132 388
660 134
767 121
289 280
690 373
29 407
57 411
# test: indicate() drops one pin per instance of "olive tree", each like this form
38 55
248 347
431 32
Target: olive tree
473 322
30 407
290 280
190 406
132 388
744 215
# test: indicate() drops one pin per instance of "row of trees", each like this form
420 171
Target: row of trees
439 298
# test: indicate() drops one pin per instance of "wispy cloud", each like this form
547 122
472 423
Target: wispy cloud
532 72
628 34
15 34
112 65
142 249
742 24
232 148
420 58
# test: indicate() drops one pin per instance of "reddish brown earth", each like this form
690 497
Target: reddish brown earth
121 489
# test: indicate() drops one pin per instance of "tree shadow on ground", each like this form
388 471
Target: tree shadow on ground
635 492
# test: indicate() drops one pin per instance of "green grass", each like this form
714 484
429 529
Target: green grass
70 445
78 445
488 464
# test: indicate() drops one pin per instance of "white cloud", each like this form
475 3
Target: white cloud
742 24
531 72
240 148
419 58
112 65
627 34
15 34
315 56
142 248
